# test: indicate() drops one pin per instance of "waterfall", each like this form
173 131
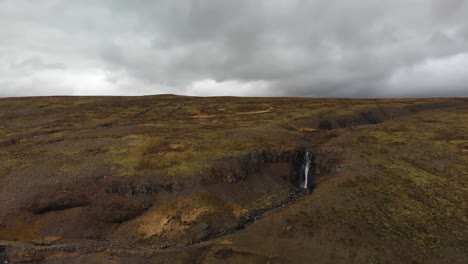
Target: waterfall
306 166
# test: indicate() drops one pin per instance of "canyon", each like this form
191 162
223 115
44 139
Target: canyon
176 179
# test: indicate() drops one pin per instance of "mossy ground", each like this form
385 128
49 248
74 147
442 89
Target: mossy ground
399 195
418 181
138 132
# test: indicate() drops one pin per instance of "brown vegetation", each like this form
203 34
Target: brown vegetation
183 179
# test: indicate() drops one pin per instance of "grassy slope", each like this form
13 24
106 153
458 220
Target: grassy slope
165 135
401 192
400 196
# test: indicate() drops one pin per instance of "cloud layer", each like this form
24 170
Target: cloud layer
318 48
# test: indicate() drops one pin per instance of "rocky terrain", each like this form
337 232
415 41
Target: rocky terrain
173 179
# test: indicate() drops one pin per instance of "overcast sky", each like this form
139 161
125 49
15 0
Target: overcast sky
316 48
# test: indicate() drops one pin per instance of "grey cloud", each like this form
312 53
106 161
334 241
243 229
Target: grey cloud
298 48
35 62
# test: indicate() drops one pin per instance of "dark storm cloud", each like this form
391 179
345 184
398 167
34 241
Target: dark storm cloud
211 47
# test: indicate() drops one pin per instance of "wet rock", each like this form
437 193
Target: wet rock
3 256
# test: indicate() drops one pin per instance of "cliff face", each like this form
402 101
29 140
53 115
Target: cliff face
243 187
186 173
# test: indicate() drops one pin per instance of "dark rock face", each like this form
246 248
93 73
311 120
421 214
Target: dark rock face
238 168
130 190
322 163
258 182
3 256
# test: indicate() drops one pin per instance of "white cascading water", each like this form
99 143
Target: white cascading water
306 170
